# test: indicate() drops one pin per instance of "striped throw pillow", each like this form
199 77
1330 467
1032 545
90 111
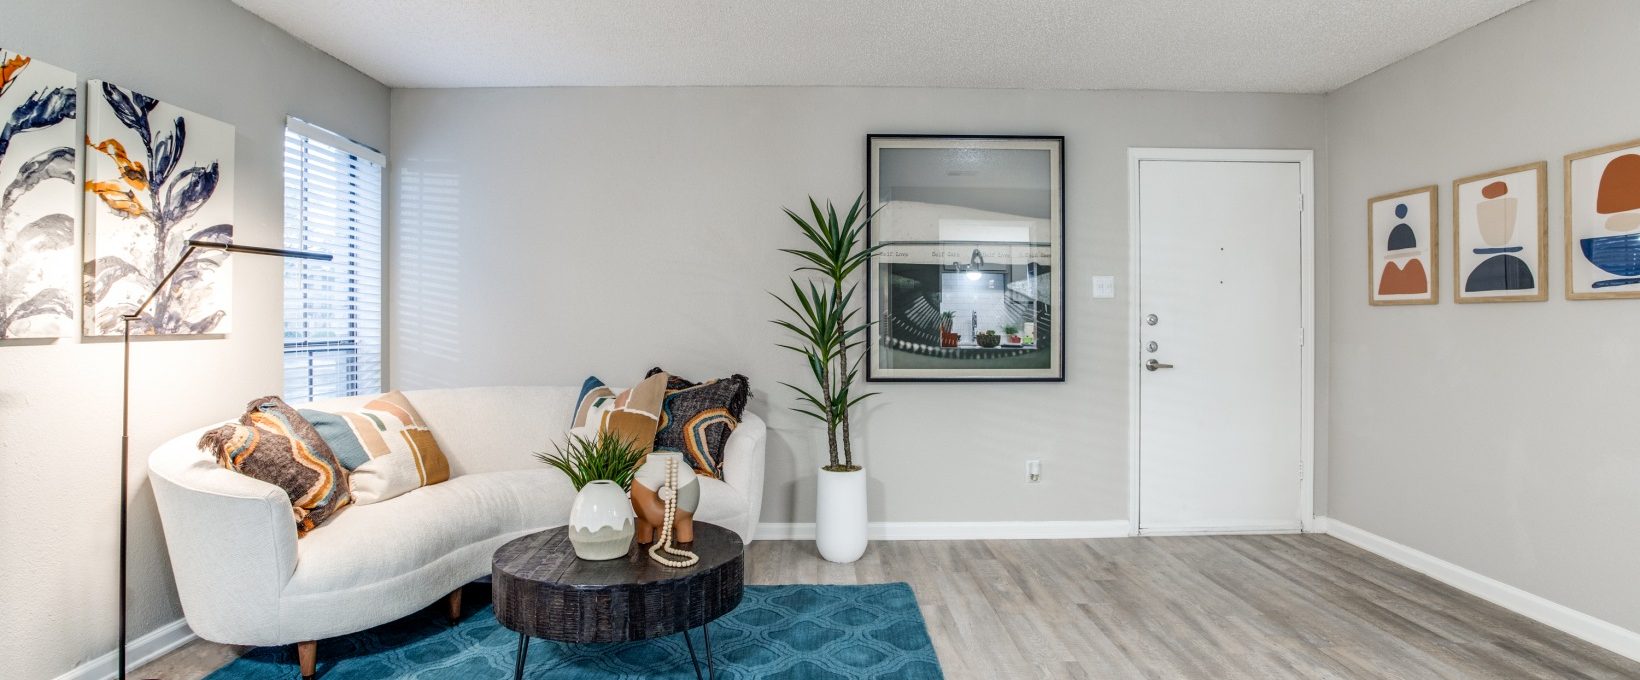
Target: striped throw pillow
275 444
697 419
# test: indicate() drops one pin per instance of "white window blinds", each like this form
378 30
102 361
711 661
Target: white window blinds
333 310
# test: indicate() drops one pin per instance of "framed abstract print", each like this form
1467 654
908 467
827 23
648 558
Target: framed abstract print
1500 229
1403 248
1603 223
39 198
968 284
157 176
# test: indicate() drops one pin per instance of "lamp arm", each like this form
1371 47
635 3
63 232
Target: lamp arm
195 245
137 314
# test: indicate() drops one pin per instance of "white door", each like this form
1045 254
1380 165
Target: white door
1220 295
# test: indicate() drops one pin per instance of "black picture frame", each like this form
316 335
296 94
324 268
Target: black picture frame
876 306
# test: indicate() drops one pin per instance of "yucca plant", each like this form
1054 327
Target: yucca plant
604 456
823 318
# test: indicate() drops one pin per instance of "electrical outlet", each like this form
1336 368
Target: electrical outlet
1033 471
1104 287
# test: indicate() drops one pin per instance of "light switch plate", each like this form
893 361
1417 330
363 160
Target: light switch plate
1104 286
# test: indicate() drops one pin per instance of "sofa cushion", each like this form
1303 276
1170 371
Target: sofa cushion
385 444
721 504
275 444
371 544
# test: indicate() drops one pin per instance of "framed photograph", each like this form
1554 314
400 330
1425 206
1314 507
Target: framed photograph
1403 248
1603 223
969 283
1500 229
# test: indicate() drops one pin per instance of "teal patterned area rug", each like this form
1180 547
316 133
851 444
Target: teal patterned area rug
801 632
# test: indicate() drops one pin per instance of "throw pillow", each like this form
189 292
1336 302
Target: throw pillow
633 415
386 445
595 397
737 404
697 419
275 444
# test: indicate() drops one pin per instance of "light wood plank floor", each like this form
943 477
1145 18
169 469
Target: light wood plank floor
1187 607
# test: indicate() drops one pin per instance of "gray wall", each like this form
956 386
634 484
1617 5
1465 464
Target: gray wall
541 235
1500 437
59 401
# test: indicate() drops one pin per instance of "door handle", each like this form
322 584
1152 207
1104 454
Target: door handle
1154 365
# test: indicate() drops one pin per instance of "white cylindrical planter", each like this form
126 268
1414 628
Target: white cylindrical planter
600 521
840 515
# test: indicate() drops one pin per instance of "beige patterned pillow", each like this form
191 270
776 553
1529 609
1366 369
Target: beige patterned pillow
386 445
632 415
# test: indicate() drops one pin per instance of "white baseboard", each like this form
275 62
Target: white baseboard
1603 633
951 531
138 652
1245 529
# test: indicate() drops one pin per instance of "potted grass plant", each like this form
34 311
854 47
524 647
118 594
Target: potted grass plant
601 521
822 317
1012 331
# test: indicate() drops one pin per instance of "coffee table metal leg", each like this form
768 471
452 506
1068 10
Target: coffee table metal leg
706 630
523 651
693 660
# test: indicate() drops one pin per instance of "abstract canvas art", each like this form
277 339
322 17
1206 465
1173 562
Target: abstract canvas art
1500 228
39 198
1603 223
1403 249
969 283
157 176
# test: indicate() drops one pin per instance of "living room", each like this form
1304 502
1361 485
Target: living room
1101 369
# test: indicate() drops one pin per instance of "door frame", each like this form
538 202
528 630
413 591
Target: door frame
1306 437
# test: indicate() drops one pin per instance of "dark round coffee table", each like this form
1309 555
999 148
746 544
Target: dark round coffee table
541 589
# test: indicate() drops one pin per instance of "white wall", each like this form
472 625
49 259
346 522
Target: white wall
59 401
1499 437
542 235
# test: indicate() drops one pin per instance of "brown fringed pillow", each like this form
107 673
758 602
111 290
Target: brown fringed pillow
697 419
275 444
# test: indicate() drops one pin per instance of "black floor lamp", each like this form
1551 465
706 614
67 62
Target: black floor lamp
125 406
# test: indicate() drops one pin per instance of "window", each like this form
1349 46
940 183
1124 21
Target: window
333 310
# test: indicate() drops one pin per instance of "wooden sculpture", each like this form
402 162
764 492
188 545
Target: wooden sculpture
651 507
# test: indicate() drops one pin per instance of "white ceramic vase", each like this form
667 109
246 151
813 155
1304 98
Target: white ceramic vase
840 515
601 521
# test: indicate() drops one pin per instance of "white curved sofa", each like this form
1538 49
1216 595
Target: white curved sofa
245 579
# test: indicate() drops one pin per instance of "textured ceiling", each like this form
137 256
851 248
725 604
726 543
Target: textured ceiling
1214 45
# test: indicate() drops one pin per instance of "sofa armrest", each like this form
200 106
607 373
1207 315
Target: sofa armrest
743 462
231 538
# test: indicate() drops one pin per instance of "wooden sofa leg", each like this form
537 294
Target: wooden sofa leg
307 653
455 605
